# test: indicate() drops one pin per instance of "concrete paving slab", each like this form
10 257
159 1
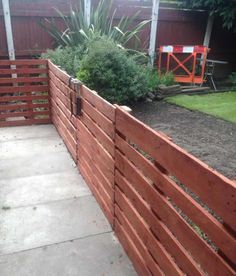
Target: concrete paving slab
22 148
44 163
32 190
55 222
44 206
26 132
99 255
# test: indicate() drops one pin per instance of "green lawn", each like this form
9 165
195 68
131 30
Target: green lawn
221 105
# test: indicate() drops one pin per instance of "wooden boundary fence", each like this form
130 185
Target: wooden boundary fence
172 213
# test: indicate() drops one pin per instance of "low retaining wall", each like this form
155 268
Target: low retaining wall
172 213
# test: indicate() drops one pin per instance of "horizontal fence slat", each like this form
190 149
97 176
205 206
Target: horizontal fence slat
107 173
23 80
56 93
99 118
108 187
87 173
157 250
26 106
96 149
24 62
67 112
28 88
66 122
98 102
131 250
150 263
102 137
214 229
23 71
200 250
65 135
218 192
60 74
60 85
96 182
164 235
23 98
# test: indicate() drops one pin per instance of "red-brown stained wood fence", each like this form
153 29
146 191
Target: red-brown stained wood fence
24 90
156 211
172 213
90 137
96 148
63 100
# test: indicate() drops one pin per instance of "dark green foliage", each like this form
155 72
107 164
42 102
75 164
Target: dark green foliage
226 9
67 58
109 70
154 79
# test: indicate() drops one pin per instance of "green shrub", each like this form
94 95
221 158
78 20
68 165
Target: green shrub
167 79
109 70
154 79
67 58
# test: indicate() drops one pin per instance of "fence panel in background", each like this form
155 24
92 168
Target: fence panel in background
24 98
173 214
63 101
96 148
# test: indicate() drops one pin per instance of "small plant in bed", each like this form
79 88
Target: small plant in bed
155 79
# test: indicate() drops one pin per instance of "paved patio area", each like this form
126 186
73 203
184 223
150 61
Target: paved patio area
50 224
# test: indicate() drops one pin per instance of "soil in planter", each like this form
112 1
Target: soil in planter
210 139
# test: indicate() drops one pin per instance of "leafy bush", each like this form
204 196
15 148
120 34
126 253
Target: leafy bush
154 79
167 79
67 58
109 70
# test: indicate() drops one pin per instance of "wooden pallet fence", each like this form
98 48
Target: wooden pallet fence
96 148
24 98
63 107
173 214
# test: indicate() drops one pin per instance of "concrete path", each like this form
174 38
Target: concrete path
50 224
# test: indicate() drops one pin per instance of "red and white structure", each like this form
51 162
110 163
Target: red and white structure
187 63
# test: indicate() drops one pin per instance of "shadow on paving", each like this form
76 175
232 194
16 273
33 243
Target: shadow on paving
210 139
50 224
